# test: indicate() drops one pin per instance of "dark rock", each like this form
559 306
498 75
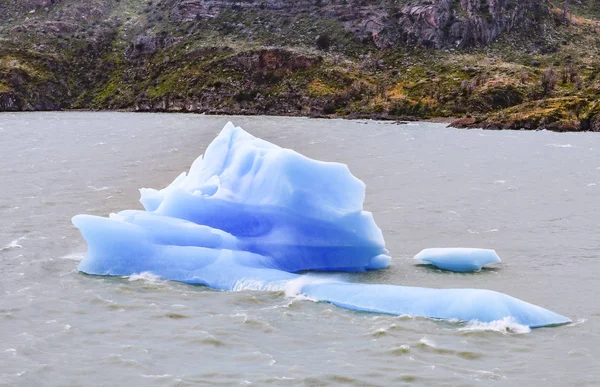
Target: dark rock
10 102
143 44
463 123
468 23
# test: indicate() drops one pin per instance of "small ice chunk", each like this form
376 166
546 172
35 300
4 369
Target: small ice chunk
458 259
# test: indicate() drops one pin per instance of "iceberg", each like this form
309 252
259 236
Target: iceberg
250 215
458 259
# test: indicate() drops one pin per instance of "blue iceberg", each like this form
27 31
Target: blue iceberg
250 215
457 259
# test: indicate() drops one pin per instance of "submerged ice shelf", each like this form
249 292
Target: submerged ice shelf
250 215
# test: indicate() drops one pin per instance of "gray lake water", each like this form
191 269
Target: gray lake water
532 196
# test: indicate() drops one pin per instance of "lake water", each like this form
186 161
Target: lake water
532 196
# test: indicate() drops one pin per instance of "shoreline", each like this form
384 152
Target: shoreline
484 123
358 116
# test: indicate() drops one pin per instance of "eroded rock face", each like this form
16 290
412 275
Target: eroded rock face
282 62
47 27
149 44
9 102
188 10
466 22
433 23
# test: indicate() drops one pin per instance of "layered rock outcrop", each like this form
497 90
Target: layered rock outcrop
433 23
466 22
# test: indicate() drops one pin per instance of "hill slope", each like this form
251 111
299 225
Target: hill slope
487 60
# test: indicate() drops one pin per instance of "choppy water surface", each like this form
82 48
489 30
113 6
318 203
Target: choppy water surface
532 196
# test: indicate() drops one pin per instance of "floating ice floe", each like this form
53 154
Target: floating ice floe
250 215
458 259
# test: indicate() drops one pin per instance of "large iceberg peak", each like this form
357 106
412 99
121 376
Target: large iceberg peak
298 213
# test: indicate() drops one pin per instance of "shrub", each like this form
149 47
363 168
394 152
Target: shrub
323 42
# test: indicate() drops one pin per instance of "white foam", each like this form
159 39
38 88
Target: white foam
293 288
13 244
157 376
145 276
578 322
73 256
506 325
250 284
489 375
98 189
560 145
302 297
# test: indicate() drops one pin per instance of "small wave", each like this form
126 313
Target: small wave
401 350
427 342
489 375
499 181
378 332
404 317
560 145
13 244
116 358
506 325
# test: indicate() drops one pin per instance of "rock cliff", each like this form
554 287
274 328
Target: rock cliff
433 23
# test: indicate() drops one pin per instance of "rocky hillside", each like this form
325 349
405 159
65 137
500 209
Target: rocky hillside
484 60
